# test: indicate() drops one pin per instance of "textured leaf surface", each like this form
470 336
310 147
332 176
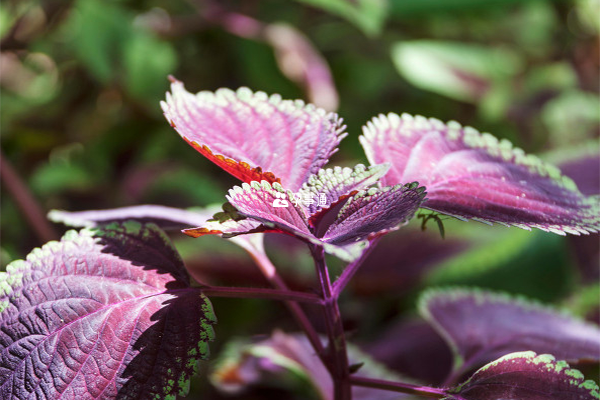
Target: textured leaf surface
525 375
480 326
474 176
337 182
164 217
247 133
373 211
101 314
227 223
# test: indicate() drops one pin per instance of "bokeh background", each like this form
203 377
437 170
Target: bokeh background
81 128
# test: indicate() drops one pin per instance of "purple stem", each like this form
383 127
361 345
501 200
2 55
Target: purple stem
425 391
261 293
338 356
256 250
25 201
350 270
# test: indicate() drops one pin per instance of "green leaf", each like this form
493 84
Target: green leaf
98 29
460 71
368 15
147 62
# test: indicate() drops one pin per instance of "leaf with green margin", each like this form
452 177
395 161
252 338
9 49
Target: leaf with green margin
525 375
368 15
337 182
480 326
470 175
105 313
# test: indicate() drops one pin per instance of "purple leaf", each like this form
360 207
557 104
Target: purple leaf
526 376
272 206
374 211
337 182
480 326
474 176
101 314
165 217
227 223
368 213
245 133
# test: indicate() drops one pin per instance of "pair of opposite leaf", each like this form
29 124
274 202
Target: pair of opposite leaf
280 146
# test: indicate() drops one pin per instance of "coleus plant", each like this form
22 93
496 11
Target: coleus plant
110 311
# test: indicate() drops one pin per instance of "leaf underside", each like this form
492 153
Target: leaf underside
104 313
247 133
481 326
474 176
525 375
166 218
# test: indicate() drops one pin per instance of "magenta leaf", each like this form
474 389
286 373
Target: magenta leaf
374 211
247 133
104 313
474 176
367 214
525 375
165 217
336 182
481 326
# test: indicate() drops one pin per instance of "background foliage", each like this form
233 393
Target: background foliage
81 126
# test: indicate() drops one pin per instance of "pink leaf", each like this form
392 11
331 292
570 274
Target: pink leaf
247 133
474 176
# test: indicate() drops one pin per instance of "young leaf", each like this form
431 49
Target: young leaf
103 313
480 326
227 223
474 176
246 133
525 375
258 201
337 182
165 217
374 211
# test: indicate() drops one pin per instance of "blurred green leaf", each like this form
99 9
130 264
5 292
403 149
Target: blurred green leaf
458 70
517 261
98 30
572 117
368 15
147 62
404 8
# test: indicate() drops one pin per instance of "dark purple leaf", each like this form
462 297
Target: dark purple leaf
247 133
413 348
526 376
374 211
480 326
585 172
337 182
474 176
165 217
101 314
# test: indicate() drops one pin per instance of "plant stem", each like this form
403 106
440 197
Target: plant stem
398 387
254 245
350 270
26 202
261 293
338 356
